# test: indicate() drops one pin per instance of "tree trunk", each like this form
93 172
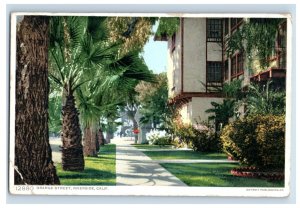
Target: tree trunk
97 142
101 138
33 154
131 113
109 136
90 142
135 126
72 150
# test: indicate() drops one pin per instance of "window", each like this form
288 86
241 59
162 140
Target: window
233 66
226 25
214 30
235 23
240 63
226 70
214 71
281 46
237 64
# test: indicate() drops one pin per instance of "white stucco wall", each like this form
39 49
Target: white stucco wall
174 66
200 105
194 64
186 112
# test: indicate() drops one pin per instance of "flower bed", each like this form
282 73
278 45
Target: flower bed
253 172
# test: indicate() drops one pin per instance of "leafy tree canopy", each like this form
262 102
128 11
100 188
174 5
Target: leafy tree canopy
134 32
153 98
167 26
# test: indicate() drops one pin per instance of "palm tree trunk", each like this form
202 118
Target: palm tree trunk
109 136
72 149
97 141
101 138
90 142
33 154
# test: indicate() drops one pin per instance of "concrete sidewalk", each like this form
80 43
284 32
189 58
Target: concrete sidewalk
134 168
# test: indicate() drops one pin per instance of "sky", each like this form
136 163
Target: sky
155 54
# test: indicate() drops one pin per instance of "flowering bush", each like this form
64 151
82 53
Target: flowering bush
256 141
156 137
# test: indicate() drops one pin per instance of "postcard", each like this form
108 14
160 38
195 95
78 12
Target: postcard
150 104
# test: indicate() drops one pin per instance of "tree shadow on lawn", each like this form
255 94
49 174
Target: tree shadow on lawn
99 170
90 176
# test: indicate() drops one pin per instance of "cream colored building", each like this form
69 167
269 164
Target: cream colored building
198 65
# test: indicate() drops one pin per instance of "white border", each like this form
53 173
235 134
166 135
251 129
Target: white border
148 190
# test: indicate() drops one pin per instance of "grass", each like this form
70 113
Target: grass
183 154
147 146
215 175
97 171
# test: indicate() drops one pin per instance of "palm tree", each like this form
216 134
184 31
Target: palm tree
80 58
126 82
221 112
93 104
265 100
64 43
107 96
76 57
33 156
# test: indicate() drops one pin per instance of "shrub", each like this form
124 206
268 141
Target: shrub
256 141
160 138
199 137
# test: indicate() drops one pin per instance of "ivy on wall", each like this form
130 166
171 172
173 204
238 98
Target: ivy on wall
256 37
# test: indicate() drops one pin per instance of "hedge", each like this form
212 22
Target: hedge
256 141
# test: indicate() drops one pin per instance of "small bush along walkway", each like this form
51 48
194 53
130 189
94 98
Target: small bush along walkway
97 171
215 175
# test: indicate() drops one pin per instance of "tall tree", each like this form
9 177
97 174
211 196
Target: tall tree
79 53
33 156
81 56
126 82
262 100
118 90
153 98
221 112
134 32
66 36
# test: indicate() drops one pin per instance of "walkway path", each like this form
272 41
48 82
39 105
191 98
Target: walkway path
134 168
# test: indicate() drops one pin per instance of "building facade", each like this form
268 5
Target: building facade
198 64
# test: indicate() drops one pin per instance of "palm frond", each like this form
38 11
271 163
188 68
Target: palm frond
76 26
97 28
55 79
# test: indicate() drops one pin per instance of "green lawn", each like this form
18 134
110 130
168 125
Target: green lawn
182 154
214 175
147 146
98 171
